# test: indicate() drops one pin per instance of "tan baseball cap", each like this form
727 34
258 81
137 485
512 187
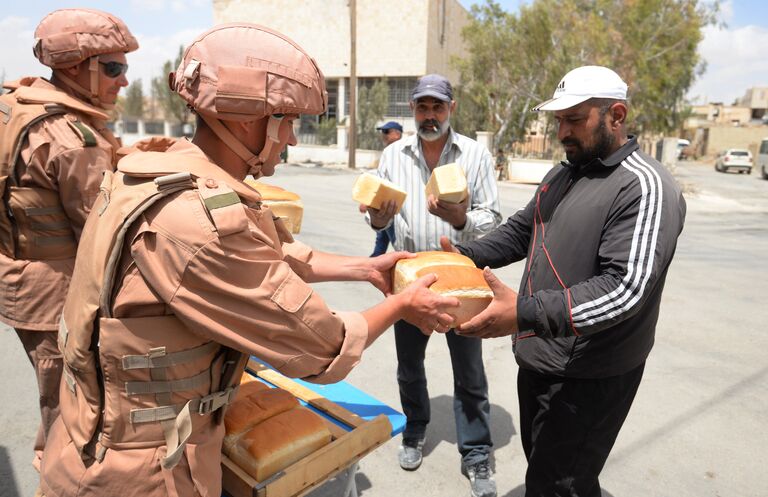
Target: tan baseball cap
66 37
244 72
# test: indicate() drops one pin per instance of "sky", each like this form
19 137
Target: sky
734 50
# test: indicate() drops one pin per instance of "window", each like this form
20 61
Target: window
399 94
333 98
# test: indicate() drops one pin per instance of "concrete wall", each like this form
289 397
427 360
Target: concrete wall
394 38
528 170
724 137
327 155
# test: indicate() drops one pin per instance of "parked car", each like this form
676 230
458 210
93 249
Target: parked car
683 149
762 158
734 158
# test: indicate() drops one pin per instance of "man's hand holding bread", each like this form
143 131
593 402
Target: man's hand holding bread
500 317
381 217
450 212
448 194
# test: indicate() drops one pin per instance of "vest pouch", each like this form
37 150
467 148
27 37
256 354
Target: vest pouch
6 230
44 231
79 402
152 366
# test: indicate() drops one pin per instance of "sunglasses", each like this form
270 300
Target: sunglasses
114 69
385 131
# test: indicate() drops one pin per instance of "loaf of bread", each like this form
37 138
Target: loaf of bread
373 191
283 204
252 406
457 277
279 441
406 269
447 183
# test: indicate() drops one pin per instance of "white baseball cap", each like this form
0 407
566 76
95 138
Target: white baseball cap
584 83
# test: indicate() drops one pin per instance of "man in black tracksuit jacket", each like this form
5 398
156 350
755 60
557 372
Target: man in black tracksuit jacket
598 235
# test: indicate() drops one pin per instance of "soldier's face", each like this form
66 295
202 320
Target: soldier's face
111 74
110 84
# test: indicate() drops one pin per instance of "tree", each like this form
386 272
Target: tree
515 61
172 104
372 105
326 131
134 100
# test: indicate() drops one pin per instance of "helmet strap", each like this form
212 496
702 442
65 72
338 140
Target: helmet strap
253 161
273 137
235 145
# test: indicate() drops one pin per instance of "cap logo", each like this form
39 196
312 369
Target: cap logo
560 86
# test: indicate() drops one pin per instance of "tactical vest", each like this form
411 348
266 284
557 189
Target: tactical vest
122 374
33 225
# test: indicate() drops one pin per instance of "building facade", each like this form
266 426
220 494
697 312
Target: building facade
756 99
399 40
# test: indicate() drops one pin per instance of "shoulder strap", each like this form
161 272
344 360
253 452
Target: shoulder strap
223 205
84 132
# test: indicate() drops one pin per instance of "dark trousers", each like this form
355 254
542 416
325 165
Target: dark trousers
470 390
383 238
568 427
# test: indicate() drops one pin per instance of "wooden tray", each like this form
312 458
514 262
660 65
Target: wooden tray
346 448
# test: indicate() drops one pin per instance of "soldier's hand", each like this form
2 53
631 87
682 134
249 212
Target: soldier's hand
455 214
499 318
382 216
426 309
380 273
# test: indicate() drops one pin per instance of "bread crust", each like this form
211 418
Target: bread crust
252 406
280 441
457 277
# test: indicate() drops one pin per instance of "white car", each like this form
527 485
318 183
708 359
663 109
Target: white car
734 158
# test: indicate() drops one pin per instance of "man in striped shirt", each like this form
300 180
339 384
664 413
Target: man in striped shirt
599 235
418 227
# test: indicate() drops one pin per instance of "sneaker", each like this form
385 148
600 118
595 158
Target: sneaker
480 479
409 454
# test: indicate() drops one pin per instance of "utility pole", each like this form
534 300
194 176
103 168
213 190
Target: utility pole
352 137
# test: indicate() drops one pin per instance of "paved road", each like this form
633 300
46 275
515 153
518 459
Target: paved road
698 425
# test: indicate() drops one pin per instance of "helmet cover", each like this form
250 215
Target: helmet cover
67 37
244 72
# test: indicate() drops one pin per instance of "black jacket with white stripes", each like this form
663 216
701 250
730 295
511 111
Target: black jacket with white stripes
598 240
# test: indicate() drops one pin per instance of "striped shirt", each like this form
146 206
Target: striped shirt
416 230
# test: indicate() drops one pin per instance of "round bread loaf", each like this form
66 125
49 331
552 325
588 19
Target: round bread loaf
457 277
466 284
406 269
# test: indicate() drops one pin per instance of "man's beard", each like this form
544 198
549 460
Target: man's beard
431 129
602 145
